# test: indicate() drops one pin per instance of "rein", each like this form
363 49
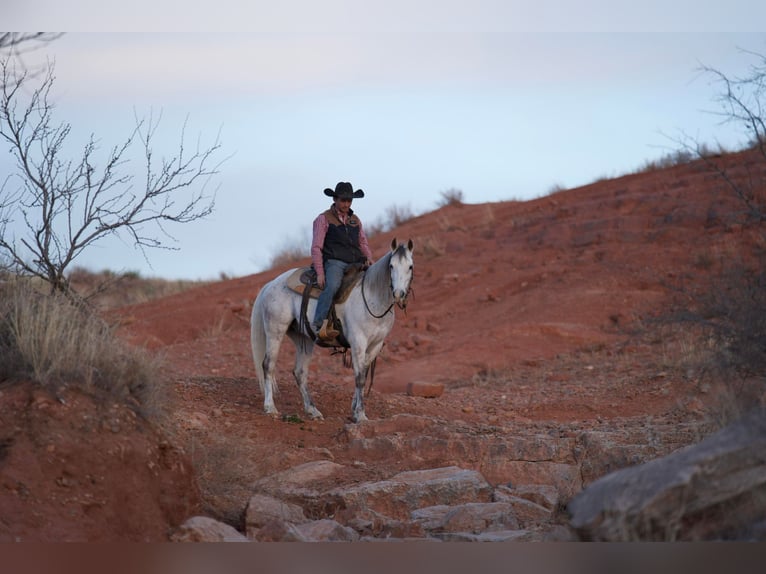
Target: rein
367 305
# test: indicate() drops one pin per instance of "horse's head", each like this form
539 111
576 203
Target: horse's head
401 267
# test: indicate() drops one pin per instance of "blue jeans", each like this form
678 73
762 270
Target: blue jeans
333 275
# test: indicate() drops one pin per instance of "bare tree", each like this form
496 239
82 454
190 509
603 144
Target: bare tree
727 305
742 102
66 205
19 40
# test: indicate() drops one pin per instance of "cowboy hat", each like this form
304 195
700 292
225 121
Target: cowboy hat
344 190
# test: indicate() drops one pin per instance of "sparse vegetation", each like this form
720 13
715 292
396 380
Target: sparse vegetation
292 251
451 196
53 342
106 289
726 306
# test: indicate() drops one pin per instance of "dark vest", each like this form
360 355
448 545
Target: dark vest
342 241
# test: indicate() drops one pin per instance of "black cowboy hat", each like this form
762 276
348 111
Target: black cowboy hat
344 190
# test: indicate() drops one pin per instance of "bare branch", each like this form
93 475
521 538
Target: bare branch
68 205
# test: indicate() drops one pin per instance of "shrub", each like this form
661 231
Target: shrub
727 315
451 196
53 342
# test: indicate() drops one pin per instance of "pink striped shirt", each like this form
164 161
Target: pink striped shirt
320 230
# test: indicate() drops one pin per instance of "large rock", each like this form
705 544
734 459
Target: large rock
299 482
714 489
406 491
472 517
263 509
204 529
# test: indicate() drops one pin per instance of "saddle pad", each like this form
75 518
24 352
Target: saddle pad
353 274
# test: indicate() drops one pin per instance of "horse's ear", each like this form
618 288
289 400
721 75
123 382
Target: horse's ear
393 244
410 245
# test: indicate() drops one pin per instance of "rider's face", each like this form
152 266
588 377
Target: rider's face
342 205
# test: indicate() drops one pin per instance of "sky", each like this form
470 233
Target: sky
406 100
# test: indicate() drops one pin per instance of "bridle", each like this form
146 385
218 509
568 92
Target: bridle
387 311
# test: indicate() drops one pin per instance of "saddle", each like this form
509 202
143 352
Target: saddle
303 282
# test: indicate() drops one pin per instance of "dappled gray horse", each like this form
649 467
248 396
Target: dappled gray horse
366 316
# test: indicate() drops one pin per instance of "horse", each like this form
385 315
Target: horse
366 316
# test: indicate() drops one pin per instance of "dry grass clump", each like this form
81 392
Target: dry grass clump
53 342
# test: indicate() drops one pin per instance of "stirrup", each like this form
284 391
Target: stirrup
326 331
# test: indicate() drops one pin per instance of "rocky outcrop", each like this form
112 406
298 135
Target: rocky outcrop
715 489
491 485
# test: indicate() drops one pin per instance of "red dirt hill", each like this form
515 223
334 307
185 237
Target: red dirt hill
522 310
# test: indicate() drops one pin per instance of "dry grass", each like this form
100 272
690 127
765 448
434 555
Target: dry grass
49 340
431 247
106 289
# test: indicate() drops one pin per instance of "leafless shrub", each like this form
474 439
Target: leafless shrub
724 321
292 251
398 215
451 196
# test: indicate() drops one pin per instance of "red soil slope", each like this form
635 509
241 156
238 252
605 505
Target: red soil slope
522 310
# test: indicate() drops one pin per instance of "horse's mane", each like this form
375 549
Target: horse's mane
378 274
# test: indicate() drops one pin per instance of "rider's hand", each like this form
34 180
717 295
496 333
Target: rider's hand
320 281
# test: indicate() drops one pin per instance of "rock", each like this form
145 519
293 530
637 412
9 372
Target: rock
496 536
406 491
424 389
204 529
542 494
711 490
527 512
474 517
262 509
327 530
300 481
276 530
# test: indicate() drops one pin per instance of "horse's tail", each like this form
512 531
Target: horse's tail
258 338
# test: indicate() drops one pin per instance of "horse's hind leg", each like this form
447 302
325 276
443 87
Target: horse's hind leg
273 343
304 349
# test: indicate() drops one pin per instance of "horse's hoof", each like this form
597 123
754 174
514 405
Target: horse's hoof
361 418
315 415
272 412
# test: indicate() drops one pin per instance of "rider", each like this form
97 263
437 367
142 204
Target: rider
338 241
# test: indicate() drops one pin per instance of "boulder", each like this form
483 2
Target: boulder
406 491
715 489
327 530
473 517
204 529
262 509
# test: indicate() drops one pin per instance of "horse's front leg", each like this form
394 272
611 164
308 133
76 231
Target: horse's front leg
357 405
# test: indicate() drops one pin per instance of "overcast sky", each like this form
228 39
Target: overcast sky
404 100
